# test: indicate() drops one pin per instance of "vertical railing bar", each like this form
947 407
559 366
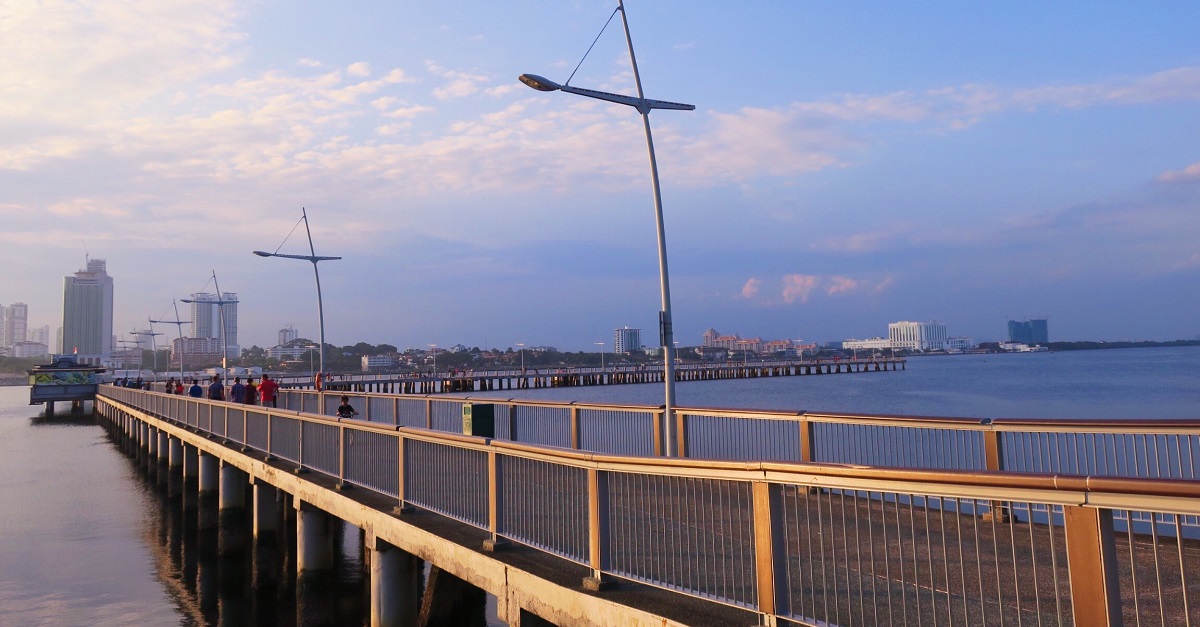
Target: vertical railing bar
1012 538
929 559
1183 587
1054 568
822 539
871 545
1037 597
1162 610
945 559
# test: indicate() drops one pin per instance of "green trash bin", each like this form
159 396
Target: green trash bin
479 419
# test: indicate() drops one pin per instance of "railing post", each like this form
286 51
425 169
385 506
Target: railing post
1092 562
574 427
495 504
428 413
657 418
806 440
598 532
342 443
993 459
680 432
401 506
770 550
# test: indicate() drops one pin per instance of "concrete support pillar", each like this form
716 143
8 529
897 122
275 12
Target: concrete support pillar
209 467
151 441
395 584
175 454
266 510
163 446
191 463
233 488
314 539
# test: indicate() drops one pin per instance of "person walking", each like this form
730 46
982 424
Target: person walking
216 391
267 390
196 391
237 391
250 394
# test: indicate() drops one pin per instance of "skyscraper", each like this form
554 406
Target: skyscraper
287 334
207 314
16 321
627 340
1031 331
88 311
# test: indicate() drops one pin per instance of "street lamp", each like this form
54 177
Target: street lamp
179 326
643 106
433 351
153 347
312 257
601 345
522 345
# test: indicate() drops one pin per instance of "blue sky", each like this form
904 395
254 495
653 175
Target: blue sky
847 165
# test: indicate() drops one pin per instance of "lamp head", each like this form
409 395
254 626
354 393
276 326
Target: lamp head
539 83
262 253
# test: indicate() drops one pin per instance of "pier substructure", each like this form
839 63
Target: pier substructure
396 581
233 488
314 539
209 467
175 454
266 510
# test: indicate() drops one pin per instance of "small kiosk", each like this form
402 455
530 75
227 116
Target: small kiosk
63 380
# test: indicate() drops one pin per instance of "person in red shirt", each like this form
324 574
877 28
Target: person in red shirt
267 390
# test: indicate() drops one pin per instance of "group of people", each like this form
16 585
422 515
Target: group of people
248 393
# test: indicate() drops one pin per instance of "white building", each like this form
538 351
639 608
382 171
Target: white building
875 343
375 362
287 334
627 340
29 349
290 353
41 335
88 311
207 312
957 344
14 321
918 336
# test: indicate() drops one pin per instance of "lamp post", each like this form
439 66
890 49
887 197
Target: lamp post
153 347
643 106
522 345
433 351
179 326
601 345
311 257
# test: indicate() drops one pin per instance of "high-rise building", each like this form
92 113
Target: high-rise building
1032 331
88 312
16 320
207 313
627 340
287 334
41 335
918 336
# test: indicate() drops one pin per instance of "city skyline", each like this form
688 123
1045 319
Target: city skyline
845 167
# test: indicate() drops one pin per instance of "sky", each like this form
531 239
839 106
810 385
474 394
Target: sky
847 165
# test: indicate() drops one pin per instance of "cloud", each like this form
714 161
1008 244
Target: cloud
796 287
362 68
842 284
1190 173
750 289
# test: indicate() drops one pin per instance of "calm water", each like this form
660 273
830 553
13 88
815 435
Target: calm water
84 534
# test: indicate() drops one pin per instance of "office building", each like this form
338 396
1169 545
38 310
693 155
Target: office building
287 334
918 336
627 340
207 313
1033 331
13 326
88 313
41 335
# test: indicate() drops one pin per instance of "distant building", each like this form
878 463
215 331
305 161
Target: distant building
29 349
195 351
288 334
918 336
960 344
207 313
1032 331
88 313
14 320
41 335
290 353
627 340
376 362
875 343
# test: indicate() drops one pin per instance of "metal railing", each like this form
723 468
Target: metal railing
1121 448
816 543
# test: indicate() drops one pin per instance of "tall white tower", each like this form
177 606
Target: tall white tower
88 311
